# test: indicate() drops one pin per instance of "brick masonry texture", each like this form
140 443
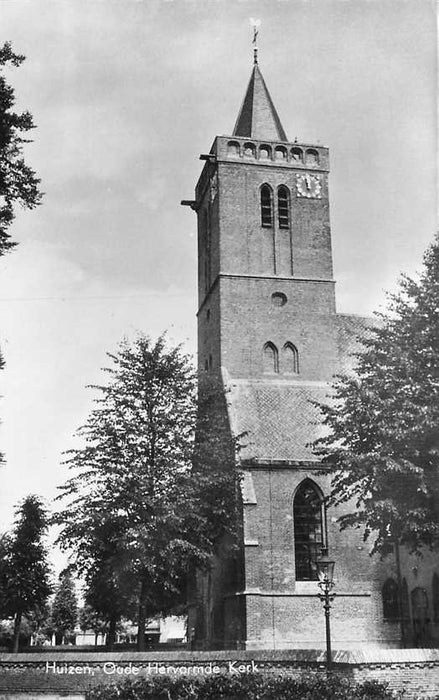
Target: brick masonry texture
264 289
416 671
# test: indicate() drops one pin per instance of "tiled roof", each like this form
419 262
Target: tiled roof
258 118
278 419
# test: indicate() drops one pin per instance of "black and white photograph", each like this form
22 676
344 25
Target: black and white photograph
219 350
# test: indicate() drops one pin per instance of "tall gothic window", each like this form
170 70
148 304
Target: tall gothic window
271 358
308 530
283 207
290 359
266 206
390 600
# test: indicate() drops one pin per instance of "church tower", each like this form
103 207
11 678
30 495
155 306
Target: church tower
268 328
264 247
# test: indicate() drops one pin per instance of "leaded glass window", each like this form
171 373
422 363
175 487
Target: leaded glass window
266 206
390 600
308 531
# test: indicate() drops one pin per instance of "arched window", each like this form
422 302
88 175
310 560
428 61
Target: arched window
435 597
389 594
249 150
297 155
308 530
271 358
290 359
283 207
312 157
280 153
265 152
420 616
266 206
233 149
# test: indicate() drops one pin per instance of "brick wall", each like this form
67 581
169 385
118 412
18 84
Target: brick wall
414 670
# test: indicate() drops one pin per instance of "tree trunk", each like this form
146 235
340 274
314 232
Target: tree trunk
111 636
141 619
17 626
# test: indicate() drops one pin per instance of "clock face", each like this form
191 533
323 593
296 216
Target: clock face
308 186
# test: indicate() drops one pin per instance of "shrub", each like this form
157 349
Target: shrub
248 687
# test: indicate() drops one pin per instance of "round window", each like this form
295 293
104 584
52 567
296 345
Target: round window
278 299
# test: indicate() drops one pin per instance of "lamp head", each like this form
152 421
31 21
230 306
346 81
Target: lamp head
325 567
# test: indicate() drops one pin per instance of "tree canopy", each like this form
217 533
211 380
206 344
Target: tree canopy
25 572
138 515
64 613
383 424
18 182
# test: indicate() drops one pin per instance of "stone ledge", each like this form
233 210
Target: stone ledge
355 656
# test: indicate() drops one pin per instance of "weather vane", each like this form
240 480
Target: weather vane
256 23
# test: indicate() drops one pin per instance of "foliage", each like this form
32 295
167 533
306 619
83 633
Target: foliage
241 687
137 519
18 182
383 441
64 614
5 547
26 577
33 627
89 619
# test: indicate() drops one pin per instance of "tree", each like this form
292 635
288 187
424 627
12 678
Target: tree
26 571
90 619
5 547
64 608
18 182
383 440
109 585
138 517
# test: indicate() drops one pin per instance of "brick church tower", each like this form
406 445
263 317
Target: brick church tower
268 327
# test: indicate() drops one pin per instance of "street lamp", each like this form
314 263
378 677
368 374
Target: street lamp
325 574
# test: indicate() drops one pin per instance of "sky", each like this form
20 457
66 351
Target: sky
126 94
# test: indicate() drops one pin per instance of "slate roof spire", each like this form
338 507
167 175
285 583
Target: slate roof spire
258 118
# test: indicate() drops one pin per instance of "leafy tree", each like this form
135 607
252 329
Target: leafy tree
109 585
18 182
39 621
90 619
64 608
26 570
5 546
383 439
138 515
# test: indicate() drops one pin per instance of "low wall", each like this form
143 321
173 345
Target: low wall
70 673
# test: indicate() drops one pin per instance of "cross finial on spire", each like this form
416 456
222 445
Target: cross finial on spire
256 23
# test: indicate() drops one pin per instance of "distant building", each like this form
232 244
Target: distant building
268 327
170 630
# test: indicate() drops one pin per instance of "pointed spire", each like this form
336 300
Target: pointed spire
258 118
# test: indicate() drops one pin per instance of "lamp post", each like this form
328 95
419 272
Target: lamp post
325 573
